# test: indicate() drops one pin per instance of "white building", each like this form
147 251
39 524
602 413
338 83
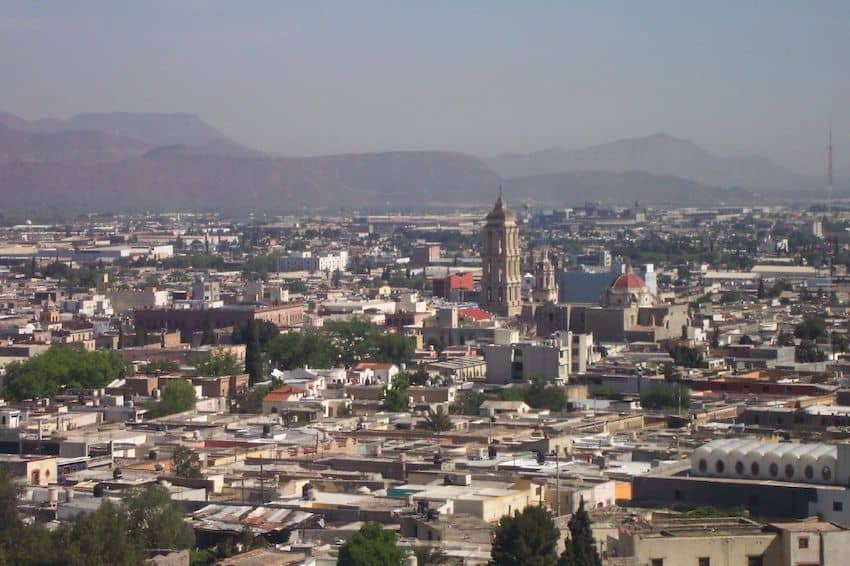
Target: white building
306 261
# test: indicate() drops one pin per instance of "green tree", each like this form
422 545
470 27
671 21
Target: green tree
372 545
253 353
527 538
306 348
395 348
420 377
538 394
660 396
396 399
811 328
468 403
217 364
177 396
267 331
98 538
437 421
687 357
581 546
155 520
59 368
186 463
252 401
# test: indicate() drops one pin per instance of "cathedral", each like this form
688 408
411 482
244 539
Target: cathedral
501 278
628 311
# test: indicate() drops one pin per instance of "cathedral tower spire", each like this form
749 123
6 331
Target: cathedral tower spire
501 280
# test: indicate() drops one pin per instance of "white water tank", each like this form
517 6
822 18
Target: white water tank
736 465
754 460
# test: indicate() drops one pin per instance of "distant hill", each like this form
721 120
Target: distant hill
174 177
578 187
150 128
80 147
659 154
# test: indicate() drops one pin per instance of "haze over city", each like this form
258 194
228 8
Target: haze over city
396 283
306 78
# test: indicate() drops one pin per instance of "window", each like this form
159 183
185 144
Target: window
703 465
754 468
837 506
656 562
809 472
826 473
789 471
803 542
773 469
704 561
739 468
719 466
755 561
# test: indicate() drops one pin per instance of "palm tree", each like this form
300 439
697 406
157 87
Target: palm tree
438 421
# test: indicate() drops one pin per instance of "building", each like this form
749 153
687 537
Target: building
307 261
501 279
425 254
188 321
518 362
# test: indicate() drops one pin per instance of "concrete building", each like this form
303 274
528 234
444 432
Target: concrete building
519 361
307 261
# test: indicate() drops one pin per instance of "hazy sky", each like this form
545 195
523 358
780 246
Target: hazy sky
477 76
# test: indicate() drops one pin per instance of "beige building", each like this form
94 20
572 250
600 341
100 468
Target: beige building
501 279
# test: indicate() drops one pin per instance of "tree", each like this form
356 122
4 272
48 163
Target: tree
186 463
306 348
438 421
218 364
98 538
396 399
538 394
688 357
253 353
661 396
155 520
267 331
581 546
372 545
811 328
430 556
467 403
59 368
527 538
177 396
419 377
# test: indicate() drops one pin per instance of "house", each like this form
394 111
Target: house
493 408
275 398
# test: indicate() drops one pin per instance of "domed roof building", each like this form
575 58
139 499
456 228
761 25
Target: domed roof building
629 290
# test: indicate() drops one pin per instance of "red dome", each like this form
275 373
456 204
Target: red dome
628 281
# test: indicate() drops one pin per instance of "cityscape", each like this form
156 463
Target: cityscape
331 346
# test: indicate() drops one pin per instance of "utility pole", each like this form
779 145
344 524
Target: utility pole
557 482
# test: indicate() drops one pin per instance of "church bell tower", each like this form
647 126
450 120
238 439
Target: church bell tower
501 280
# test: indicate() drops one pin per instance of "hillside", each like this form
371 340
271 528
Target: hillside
659 154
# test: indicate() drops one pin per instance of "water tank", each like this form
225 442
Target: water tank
53 496
69 494
159 467
492 452
98 490
308 492
773 460
719 456
438 459
791 466
809 462
699 460
754 459
117 473
827 466
423 506
152 455
736 464
267 429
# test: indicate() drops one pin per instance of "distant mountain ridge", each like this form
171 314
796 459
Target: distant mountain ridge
138 161
153 129
659 154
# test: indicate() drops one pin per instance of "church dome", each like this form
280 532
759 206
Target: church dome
628 282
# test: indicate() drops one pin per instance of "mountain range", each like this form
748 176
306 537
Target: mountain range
659 154
137 161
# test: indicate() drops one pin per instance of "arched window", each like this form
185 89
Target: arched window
826 473
719 466
773 469
739 467
754 468
789 471
703 465
809 472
